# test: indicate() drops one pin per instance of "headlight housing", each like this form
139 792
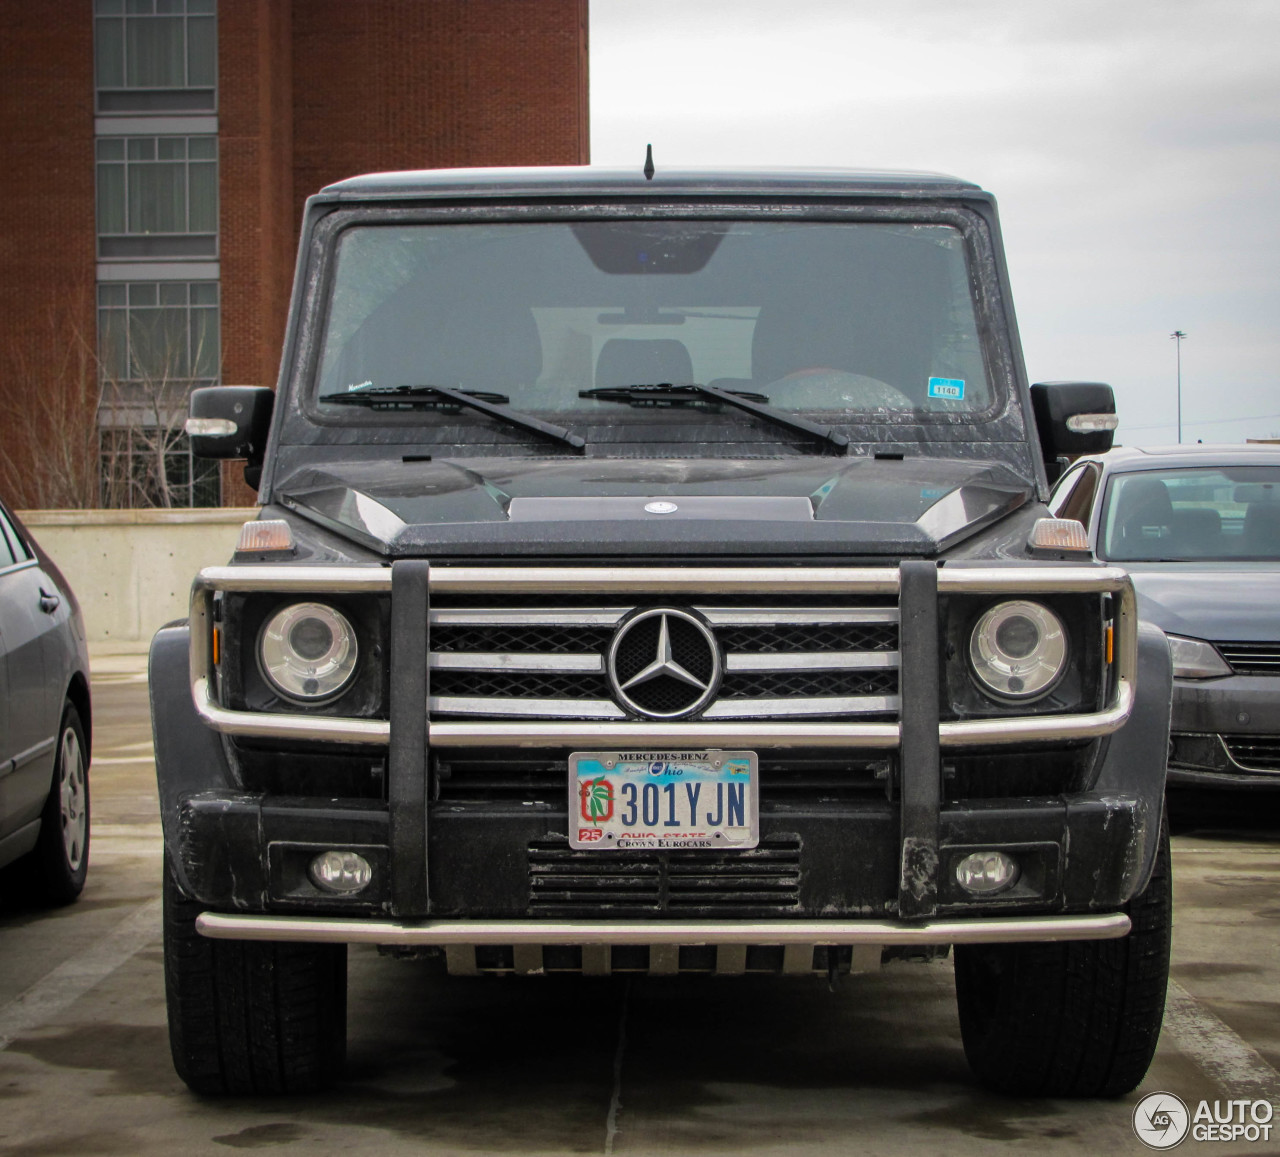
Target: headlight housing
308 652
1196 659
1018 650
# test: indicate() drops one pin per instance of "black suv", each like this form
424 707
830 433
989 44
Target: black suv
653 575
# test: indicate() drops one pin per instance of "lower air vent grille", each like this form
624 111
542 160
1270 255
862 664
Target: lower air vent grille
760 882
1255 752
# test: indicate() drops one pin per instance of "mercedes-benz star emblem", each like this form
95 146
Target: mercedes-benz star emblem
664 664
661 507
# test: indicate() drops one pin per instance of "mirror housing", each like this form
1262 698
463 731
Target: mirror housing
231 422
1073 418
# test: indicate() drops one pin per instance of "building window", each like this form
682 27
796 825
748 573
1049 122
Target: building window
155 55
157 197
157 341
159 331
150 466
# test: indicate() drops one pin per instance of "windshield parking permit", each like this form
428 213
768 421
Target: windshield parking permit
950 388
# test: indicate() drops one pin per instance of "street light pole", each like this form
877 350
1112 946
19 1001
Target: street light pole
1177 336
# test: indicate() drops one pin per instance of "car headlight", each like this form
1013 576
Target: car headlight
1018 649
1196 659
308 652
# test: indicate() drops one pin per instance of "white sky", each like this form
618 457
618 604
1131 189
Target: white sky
1133 145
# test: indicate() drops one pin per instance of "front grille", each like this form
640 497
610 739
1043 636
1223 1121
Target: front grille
758 882
538 657
1254 752
1252 658
521 640
498 685
786 639
802 685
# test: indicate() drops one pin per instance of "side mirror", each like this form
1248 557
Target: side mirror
1073 418
231 422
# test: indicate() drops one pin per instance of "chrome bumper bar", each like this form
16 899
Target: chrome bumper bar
673 581
442 933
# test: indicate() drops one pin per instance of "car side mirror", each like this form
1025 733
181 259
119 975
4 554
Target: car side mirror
231 422
1073 418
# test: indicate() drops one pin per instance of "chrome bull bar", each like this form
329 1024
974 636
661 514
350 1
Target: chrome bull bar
951 579
467 934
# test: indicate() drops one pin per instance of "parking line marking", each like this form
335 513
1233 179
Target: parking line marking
62 987
615 1097
1221 1053
98 760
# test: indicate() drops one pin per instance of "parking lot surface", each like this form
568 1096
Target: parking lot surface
561 1065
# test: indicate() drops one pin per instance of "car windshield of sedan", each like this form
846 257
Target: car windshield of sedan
1229 512
875 318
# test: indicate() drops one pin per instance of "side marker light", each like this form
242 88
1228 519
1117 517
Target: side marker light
266 535
1058 534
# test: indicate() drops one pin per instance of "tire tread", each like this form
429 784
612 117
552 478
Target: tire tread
1076 1019
249 1017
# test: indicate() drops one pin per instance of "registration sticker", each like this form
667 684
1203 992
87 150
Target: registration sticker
663 799
952 388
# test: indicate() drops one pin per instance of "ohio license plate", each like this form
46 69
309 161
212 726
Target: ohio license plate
663 799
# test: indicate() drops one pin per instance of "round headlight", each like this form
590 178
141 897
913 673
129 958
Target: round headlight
308 652
1018 650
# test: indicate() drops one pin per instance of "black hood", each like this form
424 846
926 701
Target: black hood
522 507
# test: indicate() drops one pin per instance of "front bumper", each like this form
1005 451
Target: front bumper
467 933
1088 852
1226 732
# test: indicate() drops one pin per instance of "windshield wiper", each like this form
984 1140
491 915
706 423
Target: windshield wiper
833 442
428 397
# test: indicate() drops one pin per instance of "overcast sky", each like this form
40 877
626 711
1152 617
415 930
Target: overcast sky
1133 146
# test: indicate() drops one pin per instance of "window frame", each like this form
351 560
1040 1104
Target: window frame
199 471
188 98
999 368
1064 495
135 243
14 545
128 308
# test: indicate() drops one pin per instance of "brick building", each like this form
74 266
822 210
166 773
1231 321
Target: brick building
154 159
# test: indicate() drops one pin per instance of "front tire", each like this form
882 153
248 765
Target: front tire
1079 1019
251 1017
59 863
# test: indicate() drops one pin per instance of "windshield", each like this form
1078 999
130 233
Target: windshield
1191 514
873 320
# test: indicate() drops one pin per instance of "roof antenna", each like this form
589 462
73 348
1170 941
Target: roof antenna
648 162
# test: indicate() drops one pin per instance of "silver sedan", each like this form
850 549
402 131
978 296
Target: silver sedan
45 723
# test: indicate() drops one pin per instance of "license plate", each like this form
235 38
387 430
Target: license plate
663 799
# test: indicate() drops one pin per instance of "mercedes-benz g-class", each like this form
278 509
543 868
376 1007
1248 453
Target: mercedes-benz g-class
653 575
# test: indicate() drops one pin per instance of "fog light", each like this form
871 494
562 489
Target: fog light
342 872
985 872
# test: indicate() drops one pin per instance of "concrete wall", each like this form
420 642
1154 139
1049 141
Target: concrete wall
132 569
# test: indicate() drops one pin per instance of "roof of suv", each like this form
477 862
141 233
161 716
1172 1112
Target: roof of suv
567 180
